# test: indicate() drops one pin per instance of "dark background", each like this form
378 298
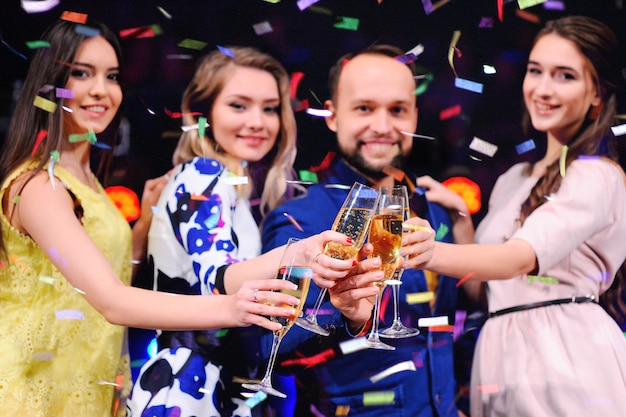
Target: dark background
307 41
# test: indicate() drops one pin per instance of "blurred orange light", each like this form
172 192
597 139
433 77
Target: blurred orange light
125 200
467 189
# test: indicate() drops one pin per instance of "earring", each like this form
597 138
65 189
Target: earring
217 148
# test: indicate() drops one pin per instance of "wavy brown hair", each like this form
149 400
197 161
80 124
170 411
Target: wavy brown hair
50 67
270 174
597 43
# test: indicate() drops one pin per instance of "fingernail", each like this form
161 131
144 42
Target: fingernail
401 252
349 240
354 263
294 286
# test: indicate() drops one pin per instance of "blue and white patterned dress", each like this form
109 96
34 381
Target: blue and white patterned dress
199 225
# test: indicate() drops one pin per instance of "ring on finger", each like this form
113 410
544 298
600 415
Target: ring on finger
256 290
317 258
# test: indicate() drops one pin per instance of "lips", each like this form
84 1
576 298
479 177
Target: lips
253 140
544 108
95 110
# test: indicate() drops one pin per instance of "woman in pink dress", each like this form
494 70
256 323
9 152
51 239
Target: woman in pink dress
553 242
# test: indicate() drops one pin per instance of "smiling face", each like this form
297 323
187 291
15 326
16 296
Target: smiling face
245 117
93 80
558 87
374 104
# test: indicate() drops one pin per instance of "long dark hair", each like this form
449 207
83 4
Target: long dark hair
50 67
599 46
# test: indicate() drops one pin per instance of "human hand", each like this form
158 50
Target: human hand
257 300
438 193
419 244
151 192
354 295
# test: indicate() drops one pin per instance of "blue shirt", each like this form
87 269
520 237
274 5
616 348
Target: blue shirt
344 380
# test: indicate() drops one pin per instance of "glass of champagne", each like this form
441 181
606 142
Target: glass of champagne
353 220
398 330
301 276
386 237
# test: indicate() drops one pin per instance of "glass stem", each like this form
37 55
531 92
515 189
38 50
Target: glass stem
396 312
374 333
318 303
267 378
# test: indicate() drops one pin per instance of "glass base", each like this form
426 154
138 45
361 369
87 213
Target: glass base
268 389
375 343
311 325
398 331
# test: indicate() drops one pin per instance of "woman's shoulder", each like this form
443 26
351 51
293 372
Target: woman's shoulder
600 166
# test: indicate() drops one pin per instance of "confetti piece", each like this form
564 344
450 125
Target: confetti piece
45 279
342 410
485 22
164 13
563 160
415 227
294 80
202 124
489 69
308 176
353 345
398 367
455 38
442 231
137 33
86 31
450 112
483 147
459 324
37 44
415 135
40 137
293 221
406 58
226 51
272 1
542 279
69 314
192 44
348 23
43 356
178 56
432 321
233 179
524 4
468 85
420 297
38 6
78 290
338 186
524 147
441 329
378 398
179 115
45 104
221 333
416 50
54 158
619 130
304 4
554 5
262 28
64 93
488 389
319 112
428 7
80 137
465 278
108 383
256 399
533 18
74 17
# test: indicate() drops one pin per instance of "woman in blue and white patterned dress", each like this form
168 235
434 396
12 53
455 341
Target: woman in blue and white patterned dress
244 149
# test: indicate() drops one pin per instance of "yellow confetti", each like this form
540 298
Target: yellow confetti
455 38
524 4
45 104
415 227
563 160
342 410
378 398
420 297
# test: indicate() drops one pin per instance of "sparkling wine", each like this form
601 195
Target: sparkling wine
301 276
354 223
386 236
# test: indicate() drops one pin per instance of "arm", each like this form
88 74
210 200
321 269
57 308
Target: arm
151 192
86 268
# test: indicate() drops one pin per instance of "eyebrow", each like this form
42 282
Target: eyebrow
560 67
83 64
244 97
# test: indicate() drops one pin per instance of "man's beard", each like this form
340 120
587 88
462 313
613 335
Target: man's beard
357 161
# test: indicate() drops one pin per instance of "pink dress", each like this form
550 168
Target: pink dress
561 360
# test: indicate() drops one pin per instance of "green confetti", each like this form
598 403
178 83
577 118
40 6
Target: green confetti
349 23
524 4
16 199
54 155
306 175
378 398
79 137
442 231
221 333
37 44
201 126
156 29
192 44
545 280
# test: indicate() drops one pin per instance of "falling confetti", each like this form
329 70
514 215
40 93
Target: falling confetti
293 221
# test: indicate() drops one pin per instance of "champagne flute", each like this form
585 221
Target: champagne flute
301 276
353 220
386 237
398 330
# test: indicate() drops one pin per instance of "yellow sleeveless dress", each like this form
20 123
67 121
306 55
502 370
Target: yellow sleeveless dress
58 355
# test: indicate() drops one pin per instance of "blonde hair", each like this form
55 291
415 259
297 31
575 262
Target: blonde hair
209 79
